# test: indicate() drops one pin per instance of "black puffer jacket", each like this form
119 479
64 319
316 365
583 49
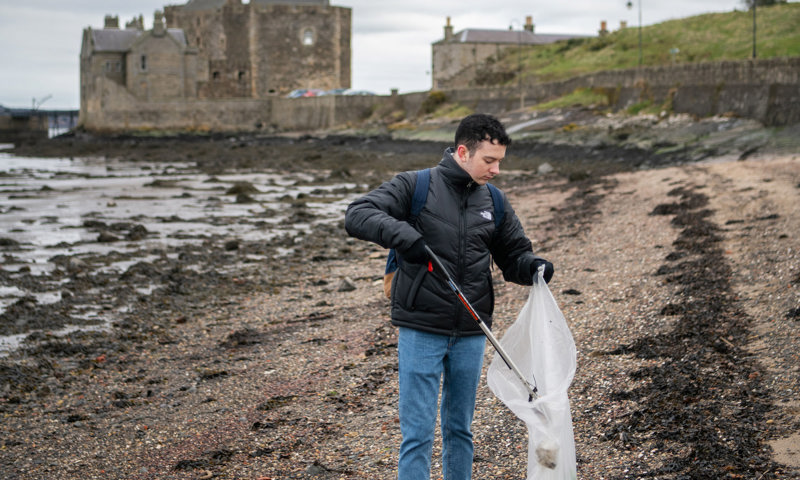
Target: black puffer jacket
457 223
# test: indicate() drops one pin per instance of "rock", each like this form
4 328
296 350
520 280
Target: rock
106 237
346 285
138 232
96 224
239 188
75 265
545 168
121 226
8 242
244 198
316 469
547 453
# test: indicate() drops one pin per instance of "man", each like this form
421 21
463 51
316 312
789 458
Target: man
438 339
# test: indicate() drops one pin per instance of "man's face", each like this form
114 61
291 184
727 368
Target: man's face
484 163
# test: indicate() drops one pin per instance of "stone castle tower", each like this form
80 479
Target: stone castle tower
214 49
265 47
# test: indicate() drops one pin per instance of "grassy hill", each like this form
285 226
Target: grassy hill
702 38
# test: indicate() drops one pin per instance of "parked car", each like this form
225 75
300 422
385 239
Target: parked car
300 92
335 91
358 92
313 92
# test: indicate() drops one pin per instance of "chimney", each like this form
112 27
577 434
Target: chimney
529 23
623 24
137 23
159 27
448 31
603 30
111 22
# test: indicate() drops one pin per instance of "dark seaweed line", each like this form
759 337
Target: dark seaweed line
704 404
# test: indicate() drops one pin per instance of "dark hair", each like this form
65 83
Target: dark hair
478 127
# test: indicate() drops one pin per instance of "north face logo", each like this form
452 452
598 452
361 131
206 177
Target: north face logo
487 215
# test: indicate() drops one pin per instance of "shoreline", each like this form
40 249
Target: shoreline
282 369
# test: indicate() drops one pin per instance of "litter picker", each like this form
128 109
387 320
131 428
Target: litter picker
436 267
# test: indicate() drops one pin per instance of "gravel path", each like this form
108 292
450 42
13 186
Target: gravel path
681 286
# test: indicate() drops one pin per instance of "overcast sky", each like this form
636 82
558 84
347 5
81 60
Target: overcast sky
40 40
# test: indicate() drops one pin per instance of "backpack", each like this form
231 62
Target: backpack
417 202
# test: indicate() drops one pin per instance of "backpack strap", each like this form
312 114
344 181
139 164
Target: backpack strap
420 194
499 205
417 203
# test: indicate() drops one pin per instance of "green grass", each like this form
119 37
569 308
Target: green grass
581 96
702 38
453 111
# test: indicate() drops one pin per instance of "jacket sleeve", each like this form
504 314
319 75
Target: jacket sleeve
380 216
512 250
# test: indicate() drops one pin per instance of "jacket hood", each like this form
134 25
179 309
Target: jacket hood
453 172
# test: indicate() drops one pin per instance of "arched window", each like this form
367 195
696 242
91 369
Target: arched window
308 37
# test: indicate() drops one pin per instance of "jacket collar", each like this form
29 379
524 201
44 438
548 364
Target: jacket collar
453 172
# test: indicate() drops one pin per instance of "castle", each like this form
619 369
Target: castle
213 50
221 65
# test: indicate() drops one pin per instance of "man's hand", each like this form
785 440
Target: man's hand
416 253
548 269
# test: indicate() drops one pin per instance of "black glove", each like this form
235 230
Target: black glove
548 269
416 253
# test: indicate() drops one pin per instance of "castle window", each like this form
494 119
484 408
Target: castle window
308 37
143 62
241 75
215 75
118 66
108 66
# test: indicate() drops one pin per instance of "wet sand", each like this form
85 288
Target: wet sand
236 357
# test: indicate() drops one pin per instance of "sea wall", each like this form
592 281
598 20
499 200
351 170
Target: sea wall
765 90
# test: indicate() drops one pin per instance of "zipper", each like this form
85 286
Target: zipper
462 247
462 229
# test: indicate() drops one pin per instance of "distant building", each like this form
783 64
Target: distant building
457 58
136 64
214 49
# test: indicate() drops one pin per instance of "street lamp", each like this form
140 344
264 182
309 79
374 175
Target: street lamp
754 28
519 60
630 5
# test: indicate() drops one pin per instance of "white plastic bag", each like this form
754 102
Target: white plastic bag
541 345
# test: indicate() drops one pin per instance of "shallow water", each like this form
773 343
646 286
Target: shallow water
52 206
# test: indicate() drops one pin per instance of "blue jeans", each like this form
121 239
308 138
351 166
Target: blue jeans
423 359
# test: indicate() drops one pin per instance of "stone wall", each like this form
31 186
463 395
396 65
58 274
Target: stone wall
22 129
156 69
765 90
454 60
120 111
